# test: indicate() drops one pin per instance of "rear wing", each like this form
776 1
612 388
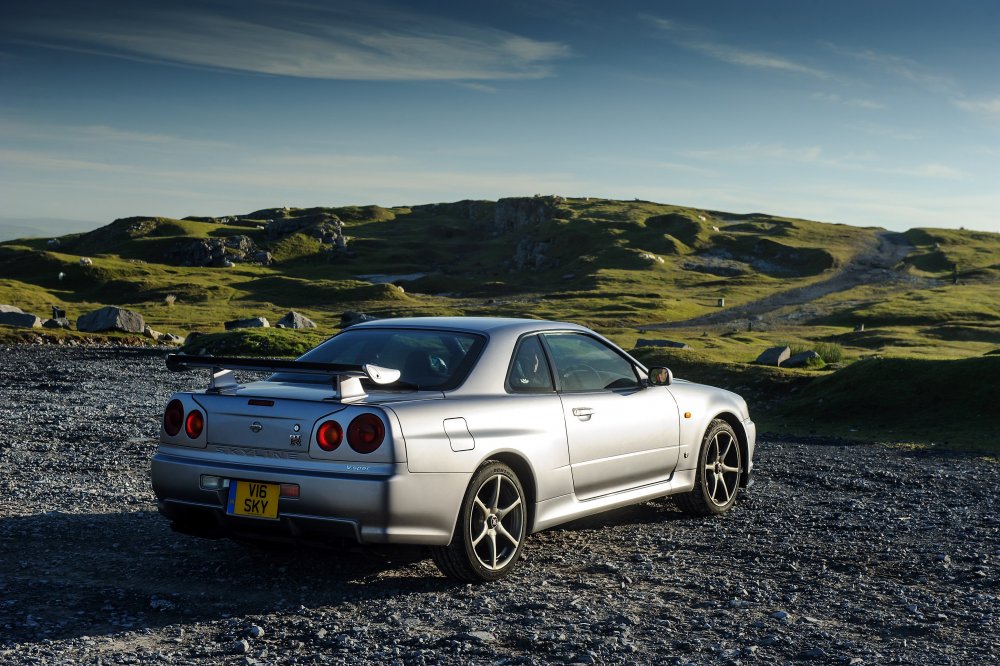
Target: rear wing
346 379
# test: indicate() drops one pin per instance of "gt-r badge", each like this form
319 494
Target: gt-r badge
256 426
295 440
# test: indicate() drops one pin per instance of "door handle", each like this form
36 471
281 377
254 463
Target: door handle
583 412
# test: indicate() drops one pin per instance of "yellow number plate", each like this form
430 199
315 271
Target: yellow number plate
254 499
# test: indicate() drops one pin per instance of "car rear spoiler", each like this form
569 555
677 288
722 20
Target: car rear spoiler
346 379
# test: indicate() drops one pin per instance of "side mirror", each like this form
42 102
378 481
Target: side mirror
660 376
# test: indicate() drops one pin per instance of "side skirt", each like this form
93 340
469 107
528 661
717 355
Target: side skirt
561 509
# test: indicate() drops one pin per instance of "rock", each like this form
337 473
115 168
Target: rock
242 646
350 318
255 631
20 319
171 338
252 322
650 258
645 342
477 636
295 320
263 257
86 261
192 336
151 333
779 615
516 212
774 356
800 359
57 322
111 318
214 251
10 308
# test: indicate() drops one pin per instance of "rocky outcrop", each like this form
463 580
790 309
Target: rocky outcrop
350 318
327 228
217 252
111 318
252 322
20 319
516 212
775 356
295 320
801 359
530 254
56 322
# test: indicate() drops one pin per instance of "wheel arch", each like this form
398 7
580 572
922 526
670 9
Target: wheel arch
525 474
741 435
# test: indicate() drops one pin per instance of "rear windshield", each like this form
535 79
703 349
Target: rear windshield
427 359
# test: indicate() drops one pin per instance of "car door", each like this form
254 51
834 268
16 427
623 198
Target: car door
621 434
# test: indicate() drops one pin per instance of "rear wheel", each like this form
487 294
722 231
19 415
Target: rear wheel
492 524
717 477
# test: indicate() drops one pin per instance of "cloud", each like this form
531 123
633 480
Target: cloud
983 107
753 59
860 103
900 67
303 41
727 53
816 156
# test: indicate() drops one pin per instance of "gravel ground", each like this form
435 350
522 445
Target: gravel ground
839 554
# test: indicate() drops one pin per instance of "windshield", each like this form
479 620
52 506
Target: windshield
427 359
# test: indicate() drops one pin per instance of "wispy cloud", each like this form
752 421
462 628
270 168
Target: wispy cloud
816 156
834 98
104 134
303 41
753 59
984 107
702 41
900 67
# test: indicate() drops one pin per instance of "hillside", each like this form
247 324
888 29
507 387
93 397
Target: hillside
618 266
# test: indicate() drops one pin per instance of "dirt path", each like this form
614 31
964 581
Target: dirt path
872 267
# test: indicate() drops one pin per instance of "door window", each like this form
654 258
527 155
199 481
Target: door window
583 363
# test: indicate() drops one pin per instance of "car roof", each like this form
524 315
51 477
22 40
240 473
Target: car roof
472 324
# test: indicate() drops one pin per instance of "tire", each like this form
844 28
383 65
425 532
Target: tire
718 474
492 524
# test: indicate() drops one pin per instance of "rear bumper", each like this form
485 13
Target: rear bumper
381 503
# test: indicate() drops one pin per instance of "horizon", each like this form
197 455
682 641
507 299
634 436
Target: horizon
882 114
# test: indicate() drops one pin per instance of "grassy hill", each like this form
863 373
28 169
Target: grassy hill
625 268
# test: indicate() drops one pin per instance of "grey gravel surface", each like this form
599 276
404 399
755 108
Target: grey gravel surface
839 554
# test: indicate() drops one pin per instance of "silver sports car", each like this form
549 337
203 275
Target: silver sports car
464 434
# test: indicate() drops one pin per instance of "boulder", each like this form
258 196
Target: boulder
10 308
252 322
643 342
56 322
20 319
800 359
295 320
151 333
111 318
350 318
171 338
774 356
192 336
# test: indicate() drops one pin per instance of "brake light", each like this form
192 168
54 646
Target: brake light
173 417
329 435
366 433
194 424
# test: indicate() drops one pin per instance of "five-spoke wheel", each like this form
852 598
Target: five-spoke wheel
717 479
491 527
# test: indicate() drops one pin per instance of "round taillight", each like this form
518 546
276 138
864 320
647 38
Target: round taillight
366 432
173 417
329 435
194 424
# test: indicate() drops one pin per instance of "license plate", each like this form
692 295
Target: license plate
253 499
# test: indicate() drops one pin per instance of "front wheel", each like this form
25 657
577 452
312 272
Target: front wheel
717 477
492 524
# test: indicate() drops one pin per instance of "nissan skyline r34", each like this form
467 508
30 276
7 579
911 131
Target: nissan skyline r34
463 434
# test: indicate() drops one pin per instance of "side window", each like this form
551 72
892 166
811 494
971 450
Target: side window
585 364
529 371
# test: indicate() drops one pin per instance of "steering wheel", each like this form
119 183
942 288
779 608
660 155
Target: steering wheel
576 377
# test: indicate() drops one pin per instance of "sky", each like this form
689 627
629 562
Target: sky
872 113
